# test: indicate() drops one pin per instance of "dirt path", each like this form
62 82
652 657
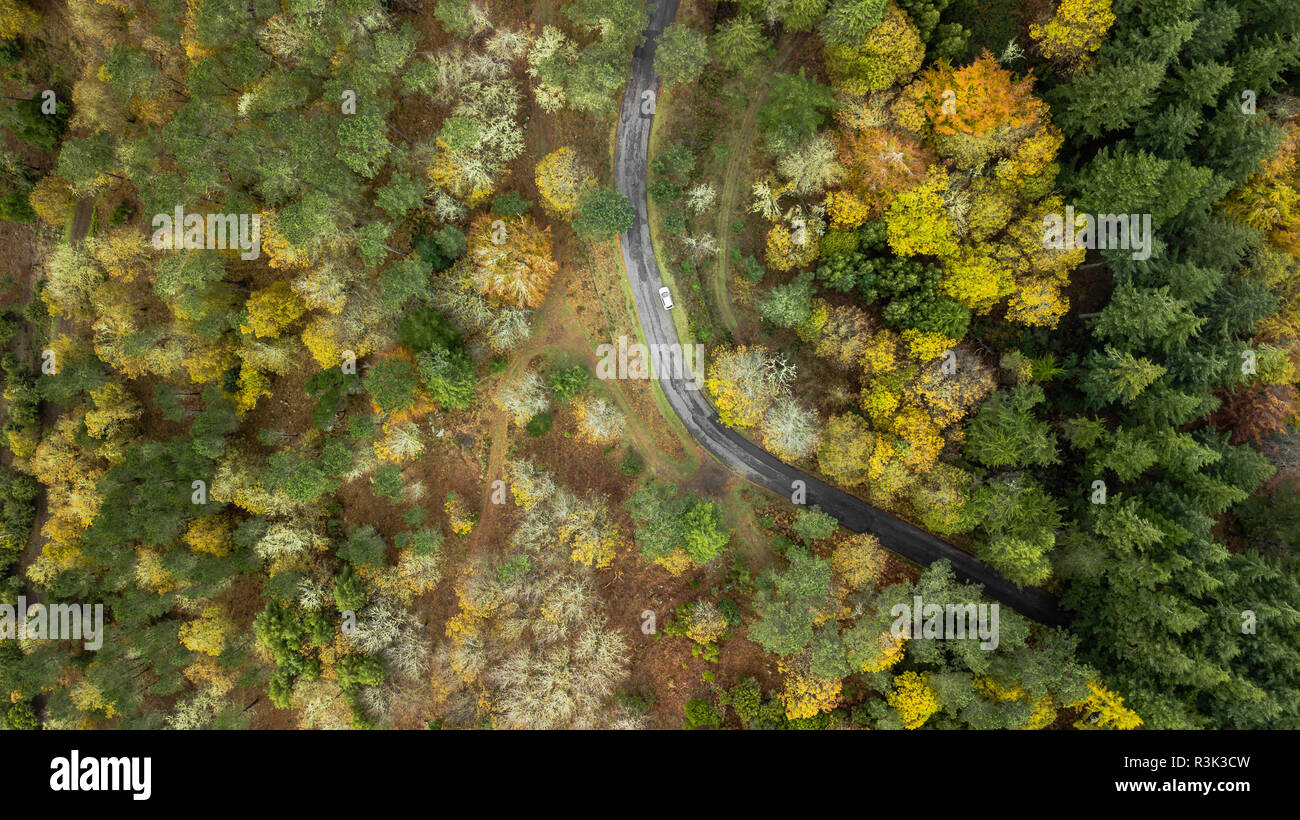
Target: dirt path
741 143
81 220
49 415
499 425
539 131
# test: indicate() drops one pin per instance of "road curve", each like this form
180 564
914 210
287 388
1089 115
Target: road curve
699 417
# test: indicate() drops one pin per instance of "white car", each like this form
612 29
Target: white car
667 298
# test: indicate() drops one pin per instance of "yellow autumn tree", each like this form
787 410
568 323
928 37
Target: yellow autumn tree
272 309
529 484
586 528
791 246
917 219
208 671
891 51
71 476
460 518
123 253
976 279
925 346
805 695
811 328
846 211
599 421
1038 302
1104 709
879 353
71 277
318 337
1076 29
676 562
1043 708
461 173
887 470
1040 273
1270 200
845 336
207 633
705 623
880 399
846 445
859 560
870 651
1030 157
17 19
562 179
114 415
150 573
743 382
914 699
206 361
23 440
209 535
88 697
923 442
947 397
253 384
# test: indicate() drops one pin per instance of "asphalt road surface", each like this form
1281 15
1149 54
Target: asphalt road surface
699 417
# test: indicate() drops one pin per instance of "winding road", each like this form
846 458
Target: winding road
701 420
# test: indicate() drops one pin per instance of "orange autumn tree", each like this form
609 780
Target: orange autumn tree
1254 413
513 262
880 162
978 98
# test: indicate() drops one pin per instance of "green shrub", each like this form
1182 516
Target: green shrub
631 463
387 482
569 382
540 424
700 714
349 590
510 204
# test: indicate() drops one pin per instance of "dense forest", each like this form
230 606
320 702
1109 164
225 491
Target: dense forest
303 305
